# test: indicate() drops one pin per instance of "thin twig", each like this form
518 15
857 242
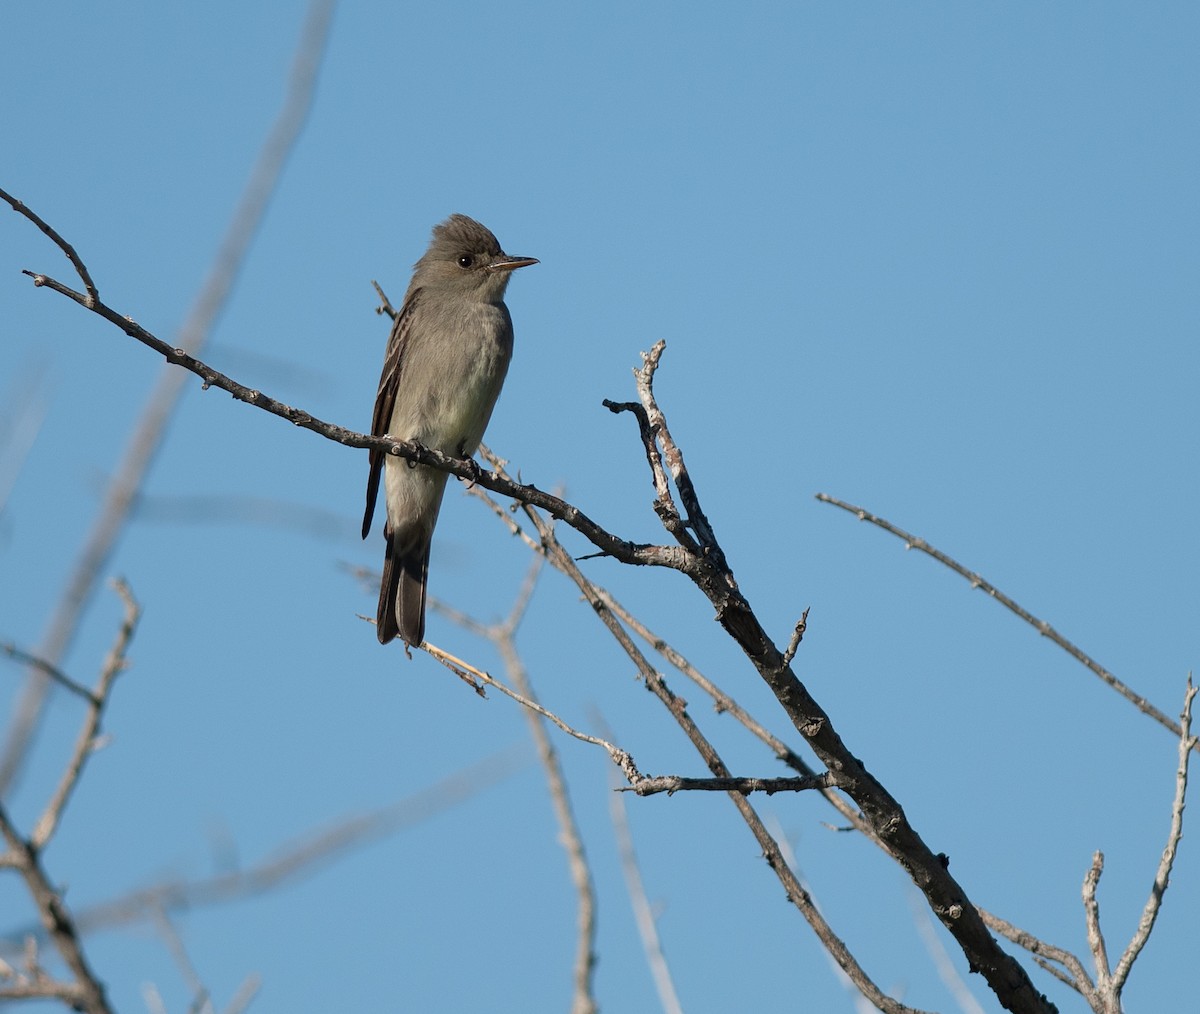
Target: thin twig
1043 952
1095 936
463 670
44 988
618 756
56 919
583 1000
1060 975
51 670
664 500
25 855
652 785
80 268
385 304
670 784
1041 626
797 636
722 700
697 520
85 744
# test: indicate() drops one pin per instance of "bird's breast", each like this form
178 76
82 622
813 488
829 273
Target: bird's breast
451 375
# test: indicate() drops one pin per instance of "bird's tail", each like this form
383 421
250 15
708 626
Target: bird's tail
402 593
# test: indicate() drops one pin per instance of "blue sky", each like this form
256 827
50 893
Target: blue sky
937 260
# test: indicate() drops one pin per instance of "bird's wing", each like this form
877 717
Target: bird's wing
385 400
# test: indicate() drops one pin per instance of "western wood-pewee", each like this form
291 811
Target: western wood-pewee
445 363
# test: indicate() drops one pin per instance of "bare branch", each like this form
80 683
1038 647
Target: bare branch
51 670
1095 935
114 664
43 988
57 921
797 637
697 520
618 756
86 992
664 501
670 784
1058 973
1043 953
385 304
20 208
1041 626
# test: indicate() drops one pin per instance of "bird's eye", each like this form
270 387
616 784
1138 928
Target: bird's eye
465 261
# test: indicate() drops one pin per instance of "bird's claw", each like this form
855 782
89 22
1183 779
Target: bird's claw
476 472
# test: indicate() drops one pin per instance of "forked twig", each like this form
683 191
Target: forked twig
85 744
619 757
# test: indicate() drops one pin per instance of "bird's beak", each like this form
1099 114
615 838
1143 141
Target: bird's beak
507 263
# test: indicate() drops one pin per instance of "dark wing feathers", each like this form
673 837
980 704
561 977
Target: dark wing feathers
385 400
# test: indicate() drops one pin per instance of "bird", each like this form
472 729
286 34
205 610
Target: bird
446 360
